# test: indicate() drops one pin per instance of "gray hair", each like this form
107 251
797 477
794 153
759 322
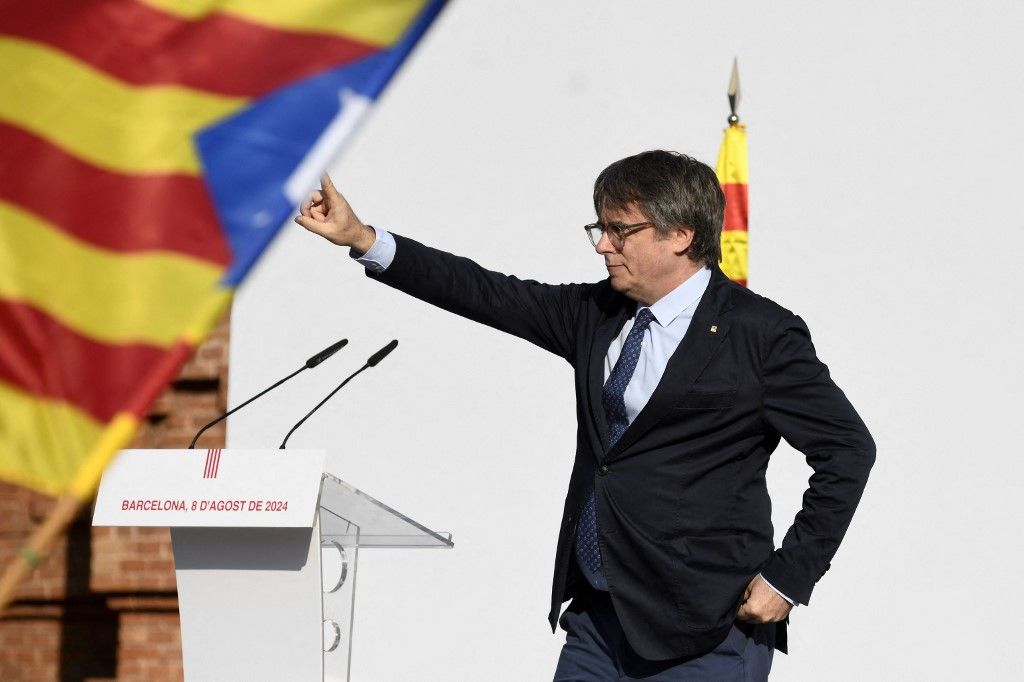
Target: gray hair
672 190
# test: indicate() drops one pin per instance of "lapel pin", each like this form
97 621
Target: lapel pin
714 329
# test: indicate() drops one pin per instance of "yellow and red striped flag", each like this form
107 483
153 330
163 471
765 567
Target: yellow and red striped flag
149 151
732 170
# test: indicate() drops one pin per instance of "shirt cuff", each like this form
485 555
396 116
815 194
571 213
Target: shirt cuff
378 257
791 602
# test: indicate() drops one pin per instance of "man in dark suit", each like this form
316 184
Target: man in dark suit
685 383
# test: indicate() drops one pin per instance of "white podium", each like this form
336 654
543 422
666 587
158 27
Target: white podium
265 549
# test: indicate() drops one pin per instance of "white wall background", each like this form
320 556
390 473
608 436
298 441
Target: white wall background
885 146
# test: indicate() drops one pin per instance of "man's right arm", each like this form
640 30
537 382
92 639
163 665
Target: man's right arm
545 315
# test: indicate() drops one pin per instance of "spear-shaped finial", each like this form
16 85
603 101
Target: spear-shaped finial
734 92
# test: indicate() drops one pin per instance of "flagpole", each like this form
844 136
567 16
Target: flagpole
35 550
115 437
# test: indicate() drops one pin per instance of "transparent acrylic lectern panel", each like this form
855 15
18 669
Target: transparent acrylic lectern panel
350 519
353 518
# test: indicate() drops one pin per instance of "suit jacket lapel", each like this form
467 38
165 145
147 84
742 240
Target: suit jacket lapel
687 362
607 329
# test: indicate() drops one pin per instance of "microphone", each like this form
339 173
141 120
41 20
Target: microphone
382 353
325 353
371 362
309 364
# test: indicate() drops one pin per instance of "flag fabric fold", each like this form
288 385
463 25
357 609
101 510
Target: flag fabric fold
149 152
732 170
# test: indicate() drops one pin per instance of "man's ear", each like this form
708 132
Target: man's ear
682 238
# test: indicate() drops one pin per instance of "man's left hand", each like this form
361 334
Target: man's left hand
762 604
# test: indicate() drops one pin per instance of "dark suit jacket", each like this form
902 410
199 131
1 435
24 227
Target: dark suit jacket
683 511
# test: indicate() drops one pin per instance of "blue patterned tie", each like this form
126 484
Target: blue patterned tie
587 551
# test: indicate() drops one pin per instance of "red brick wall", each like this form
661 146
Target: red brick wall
104 605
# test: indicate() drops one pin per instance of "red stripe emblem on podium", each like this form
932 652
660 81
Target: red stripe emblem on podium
212 463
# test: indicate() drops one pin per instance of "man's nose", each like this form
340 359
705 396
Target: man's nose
604 244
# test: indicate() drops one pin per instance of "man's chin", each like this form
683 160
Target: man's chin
618 283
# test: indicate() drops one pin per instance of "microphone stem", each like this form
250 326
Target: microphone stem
238 407
320 404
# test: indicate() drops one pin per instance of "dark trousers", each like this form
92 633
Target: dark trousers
596 650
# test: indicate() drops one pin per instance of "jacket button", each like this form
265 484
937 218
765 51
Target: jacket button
602 470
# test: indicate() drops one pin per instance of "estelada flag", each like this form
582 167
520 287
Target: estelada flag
149 152
732 170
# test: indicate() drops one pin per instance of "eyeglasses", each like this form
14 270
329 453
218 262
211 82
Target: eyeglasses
617 232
